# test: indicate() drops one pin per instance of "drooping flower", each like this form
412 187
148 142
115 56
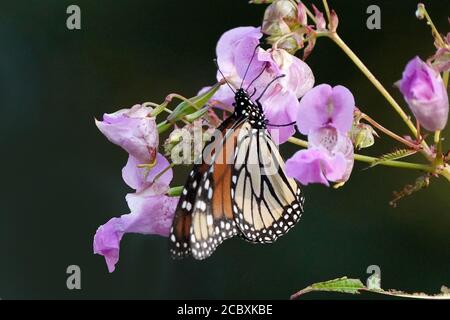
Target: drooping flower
280 101
151 211
425 93
133 130
325 116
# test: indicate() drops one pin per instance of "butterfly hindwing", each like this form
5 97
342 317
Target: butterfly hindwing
266 203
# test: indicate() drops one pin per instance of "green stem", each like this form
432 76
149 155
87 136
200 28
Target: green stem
389 132
327 10
310 15
434 30
437 136
445 78
159 175
445 172
370 160
175 191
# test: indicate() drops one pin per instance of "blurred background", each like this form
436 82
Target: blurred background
61 178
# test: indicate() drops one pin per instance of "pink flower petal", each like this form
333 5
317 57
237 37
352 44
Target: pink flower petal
326 106
280 108
234 50
315 166
149 215
133 130
135 176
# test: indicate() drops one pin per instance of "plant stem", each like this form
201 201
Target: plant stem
310 15
327 10
434 30
335 37
159 175
445 78
389 132
175 191
370 160
445 172
437 137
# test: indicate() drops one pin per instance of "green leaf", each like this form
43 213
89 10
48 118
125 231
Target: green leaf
163 126
395 155
355 286
195 115
344 285
197 102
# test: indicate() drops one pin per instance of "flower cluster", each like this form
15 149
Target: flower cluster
284 85
280 102
151 210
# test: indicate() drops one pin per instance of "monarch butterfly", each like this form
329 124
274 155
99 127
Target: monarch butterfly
243 190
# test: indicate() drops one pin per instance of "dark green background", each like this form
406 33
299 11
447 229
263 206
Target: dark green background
61 179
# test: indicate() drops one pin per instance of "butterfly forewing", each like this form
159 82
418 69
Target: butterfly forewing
208 197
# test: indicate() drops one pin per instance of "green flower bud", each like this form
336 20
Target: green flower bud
362 135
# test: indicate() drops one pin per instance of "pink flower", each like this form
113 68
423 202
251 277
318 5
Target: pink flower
151 213
326 116
326 106
141 178
425 93
132 129
315 166
280 102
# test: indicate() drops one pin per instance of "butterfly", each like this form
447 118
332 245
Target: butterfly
239 188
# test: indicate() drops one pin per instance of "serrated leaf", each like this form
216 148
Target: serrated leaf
199 101
343 285
394 155
355 286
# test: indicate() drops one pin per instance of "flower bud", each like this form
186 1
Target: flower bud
185 145
321 23
426 94
302 16
280 17
362 135
420 12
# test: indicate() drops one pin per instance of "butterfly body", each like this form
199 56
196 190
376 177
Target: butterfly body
242 189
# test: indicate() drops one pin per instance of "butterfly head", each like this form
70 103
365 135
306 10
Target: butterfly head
244 106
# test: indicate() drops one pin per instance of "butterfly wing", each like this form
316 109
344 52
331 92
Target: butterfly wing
266 203
204 217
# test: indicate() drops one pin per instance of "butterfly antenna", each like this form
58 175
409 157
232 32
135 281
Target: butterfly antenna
281 125
223 76
265 89
249 64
